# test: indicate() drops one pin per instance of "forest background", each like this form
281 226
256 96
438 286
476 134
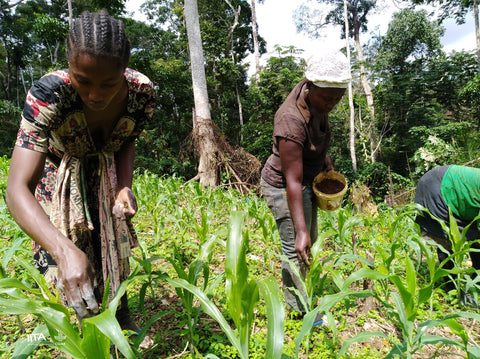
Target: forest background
414 106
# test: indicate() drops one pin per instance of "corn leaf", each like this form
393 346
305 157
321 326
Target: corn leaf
361 337
107 324
210 308
94 344
275 316
408 299
242 294
25 347
55 316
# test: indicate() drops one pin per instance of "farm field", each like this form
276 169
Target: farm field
206 282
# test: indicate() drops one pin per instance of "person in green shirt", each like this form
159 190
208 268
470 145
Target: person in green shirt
456 188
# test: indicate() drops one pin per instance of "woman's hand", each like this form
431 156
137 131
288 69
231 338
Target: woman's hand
303 243
75 278
125 203
75 273
292 167
328 163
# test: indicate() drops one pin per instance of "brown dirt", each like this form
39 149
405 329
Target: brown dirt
329 186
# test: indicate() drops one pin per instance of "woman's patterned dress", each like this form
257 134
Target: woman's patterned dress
77 188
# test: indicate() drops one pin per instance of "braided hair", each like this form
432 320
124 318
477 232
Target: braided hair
99 35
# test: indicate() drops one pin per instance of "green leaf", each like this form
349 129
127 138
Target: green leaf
94 344
211 310
275 316
107 324
38 277
25 347
242 294
326 303
361 274
411 276
55 316
404 322
408 299
473 352
436 339
11 250
359 338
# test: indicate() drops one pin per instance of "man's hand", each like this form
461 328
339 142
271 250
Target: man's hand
303 244
76 275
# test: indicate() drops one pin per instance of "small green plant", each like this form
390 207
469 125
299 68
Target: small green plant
242 295
97 332
195 269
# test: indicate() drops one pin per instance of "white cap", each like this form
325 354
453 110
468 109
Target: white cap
328 69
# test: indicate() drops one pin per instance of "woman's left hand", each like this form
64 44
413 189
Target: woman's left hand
125 203
328 163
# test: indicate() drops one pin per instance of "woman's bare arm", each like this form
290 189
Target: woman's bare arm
124 163
292 167
74 270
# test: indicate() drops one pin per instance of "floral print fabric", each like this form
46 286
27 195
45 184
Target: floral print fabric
77 188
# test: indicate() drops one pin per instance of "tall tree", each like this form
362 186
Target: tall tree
202 122
225 47
214 153
407 54
353 155
313 22
256 49
457 9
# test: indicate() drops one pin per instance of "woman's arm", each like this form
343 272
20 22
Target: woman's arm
125 199
292 167
74 270
328 166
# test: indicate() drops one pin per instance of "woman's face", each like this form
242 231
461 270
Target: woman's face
98 81
324 99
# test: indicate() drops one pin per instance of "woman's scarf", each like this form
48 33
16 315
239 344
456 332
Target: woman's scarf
70 214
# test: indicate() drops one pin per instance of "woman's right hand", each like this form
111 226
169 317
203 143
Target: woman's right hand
74 270
303 243
75 276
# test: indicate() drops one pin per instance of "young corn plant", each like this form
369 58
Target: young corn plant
97 333
242 292
343 223
200 266
259 211
242 296
461 247
316 276
412 292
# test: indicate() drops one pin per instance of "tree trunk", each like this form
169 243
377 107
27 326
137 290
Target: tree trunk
240 111
256 51
203 132
230 42
70 12
236 14
477 29
350 97
369 95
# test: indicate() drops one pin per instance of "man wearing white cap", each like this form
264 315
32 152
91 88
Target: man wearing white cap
301 137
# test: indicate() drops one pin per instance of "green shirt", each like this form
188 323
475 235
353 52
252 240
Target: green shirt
461 191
